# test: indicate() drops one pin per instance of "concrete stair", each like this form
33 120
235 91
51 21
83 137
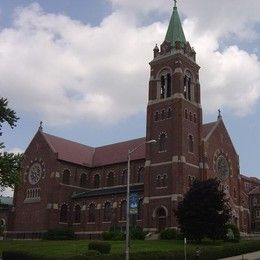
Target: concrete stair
152 236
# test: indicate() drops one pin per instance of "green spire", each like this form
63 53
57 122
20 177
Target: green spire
175 31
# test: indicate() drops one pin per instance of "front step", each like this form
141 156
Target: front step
152 236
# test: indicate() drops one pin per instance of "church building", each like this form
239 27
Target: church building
68 184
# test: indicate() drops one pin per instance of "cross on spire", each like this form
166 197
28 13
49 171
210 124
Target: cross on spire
40 127
175 3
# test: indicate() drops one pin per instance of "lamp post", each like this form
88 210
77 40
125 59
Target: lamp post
128 195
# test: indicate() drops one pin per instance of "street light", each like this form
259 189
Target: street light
128 195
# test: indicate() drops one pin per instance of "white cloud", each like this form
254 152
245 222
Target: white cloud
16 150
6 192
65 71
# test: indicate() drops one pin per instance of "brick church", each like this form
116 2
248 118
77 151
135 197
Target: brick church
65 183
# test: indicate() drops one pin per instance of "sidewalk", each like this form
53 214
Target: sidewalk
250 256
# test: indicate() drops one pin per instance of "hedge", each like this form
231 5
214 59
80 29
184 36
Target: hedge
102 247
59 234
207 253
21 255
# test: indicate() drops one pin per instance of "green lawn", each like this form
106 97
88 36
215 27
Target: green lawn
70 248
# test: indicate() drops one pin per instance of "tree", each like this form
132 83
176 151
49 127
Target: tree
204 211
10 164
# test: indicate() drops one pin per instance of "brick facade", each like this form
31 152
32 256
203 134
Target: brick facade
70 184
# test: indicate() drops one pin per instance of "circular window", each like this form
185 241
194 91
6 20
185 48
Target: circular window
35 173
222 167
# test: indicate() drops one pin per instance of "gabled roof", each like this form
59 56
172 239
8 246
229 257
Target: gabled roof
116 153
256 190
208 128
70 151
175 31
6 201
93 157
80 154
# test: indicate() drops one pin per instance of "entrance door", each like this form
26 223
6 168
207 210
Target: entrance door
161 219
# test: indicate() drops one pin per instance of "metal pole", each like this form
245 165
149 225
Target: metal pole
185 248
127 207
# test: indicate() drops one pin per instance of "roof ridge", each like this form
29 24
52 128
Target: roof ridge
123 142
69 140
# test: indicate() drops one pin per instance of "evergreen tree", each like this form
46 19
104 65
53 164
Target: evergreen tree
204 211
10 163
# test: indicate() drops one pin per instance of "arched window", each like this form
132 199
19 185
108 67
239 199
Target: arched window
166 88
158 181
140 209
110 179
163 114
64 213
66 177
96 181
194 118
164 180
191 146
83 180
77 214
186 114
107 211
123 210
162 142
187 86
124 177
156 116
92 213
191 118
140 175
169 113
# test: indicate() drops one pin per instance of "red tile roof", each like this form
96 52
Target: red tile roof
85 155
110 154
116 153
71 151
207 128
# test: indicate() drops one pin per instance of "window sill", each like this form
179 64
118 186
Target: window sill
76 224
32 200
161 188
63 223
106 222
163 151
91 223
122 221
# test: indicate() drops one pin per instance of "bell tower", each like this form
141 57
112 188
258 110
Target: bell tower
174 119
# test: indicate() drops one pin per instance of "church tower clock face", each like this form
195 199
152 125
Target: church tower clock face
35 173
222 167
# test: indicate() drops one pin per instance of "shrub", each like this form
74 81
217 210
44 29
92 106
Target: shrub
102 247
12 255
90 253
21 255
136 233
59 234
232 233
168 234
113 235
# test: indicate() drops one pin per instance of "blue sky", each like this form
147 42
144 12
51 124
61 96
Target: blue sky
82 67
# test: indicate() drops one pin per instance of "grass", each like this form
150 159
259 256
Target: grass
71 248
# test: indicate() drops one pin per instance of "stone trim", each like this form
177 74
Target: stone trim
173 197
